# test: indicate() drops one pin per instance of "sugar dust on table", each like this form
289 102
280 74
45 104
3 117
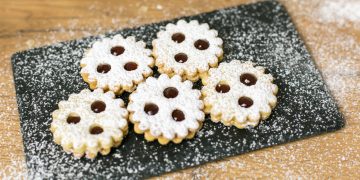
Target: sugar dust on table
261 33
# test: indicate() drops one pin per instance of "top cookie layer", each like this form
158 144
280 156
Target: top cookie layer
89 122
239 94
166 107
187 49
116 64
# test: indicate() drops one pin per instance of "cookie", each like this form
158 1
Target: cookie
116 64
90 122
238 94
166 109
187 49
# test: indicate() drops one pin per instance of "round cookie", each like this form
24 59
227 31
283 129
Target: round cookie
187 49
238 94
90 122
166 109
116 64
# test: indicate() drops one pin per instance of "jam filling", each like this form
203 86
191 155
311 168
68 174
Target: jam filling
201 44
222 88
98 106
151 109
181 57
245 102
130 66
117 50
96 130
103 68
170 92
178 115
73 119
178 37
248 79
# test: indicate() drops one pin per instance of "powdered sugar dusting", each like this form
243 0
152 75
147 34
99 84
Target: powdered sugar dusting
117 77
339 11
162 123
197 60
303 96
76 136
262 94
330 46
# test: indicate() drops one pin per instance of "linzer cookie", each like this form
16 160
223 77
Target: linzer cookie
166 109
116 64
239 94
187 49
90 122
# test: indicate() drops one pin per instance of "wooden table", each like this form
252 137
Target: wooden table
334 45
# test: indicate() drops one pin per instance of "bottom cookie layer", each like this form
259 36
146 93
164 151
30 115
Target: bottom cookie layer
161 139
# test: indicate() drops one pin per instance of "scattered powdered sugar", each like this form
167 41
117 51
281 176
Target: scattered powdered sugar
16 169
340 12
336 55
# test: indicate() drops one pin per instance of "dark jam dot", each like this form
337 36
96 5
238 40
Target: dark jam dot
73 119
170 92
201 44
103 68
96 130
98 106
151 109
178 115
117 50
222 88
178 37
181 58
130 66
266 71
248 79
245 102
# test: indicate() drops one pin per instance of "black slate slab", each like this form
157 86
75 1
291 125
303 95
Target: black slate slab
262 33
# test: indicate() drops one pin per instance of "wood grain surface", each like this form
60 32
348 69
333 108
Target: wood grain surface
332 38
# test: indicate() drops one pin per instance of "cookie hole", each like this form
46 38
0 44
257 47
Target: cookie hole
98 106
222 88
117 50
178 115
130 66
151 109
170 92
248 79
181 57
103 68
96 130
73 118
245 102
266 71
201 44
178 37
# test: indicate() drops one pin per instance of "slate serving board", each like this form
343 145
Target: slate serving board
261 32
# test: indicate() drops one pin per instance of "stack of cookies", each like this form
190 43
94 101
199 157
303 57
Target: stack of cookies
167 108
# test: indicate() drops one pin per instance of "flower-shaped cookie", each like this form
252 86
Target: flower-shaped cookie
166 109
187 49
239 94
90 122
116 64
